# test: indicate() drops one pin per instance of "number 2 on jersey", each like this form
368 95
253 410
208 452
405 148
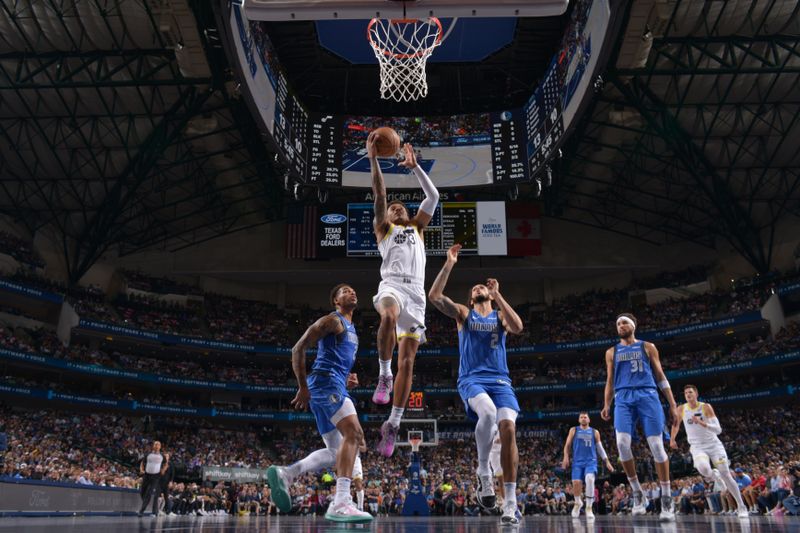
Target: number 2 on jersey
495 340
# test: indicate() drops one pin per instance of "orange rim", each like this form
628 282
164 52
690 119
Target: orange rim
403 21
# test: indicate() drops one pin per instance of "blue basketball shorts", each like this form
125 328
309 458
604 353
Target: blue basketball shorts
327 400
632 405
499 390
579 471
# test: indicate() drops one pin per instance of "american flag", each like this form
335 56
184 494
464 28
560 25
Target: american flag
301 232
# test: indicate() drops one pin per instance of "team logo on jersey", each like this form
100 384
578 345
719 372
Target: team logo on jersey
333 398
399 238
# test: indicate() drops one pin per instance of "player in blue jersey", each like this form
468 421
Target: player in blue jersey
634 379
585 444
483 381
325 391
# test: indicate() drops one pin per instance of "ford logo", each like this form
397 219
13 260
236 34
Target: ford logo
333 218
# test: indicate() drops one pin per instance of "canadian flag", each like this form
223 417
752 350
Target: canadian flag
523 221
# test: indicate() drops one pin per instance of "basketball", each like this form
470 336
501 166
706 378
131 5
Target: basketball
387 142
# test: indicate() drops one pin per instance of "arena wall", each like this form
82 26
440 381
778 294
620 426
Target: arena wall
30 497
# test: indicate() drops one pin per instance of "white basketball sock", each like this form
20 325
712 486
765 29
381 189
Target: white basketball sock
314 461
360 498
510 490
397 414
342 490
386 367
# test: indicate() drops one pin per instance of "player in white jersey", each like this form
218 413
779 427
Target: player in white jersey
400 300
708 454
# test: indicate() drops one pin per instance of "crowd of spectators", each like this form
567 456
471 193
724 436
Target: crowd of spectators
589 315
234 320
19 249
150 313
105 449
678 278
439 372
144 282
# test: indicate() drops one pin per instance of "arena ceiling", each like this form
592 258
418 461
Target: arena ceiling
121 128
693 137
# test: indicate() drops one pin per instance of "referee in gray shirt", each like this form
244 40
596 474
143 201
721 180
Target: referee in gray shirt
151 468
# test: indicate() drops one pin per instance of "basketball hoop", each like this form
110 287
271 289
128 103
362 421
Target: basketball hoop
403 47
415 439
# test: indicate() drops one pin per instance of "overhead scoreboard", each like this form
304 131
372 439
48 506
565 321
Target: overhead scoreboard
478 226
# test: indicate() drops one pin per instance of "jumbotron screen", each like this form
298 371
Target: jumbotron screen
470 150
456 151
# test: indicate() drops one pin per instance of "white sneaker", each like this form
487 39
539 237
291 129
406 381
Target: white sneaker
667 511
742 512
346 511
589 513
576 509
486 496
510 515
640 502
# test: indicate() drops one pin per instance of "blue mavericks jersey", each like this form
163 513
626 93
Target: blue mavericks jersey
482 345
584 449
632 367
337 353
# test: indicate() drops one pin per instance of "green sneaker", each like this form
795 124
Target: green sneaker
276 479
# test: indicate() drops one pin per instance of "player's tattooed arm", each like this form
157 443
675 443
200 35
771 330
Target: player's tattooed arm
608 395
380 223
512 323
436 294
319 329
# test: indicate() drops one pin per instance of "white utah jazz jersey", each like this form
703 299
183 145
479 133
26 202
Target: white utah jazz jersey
403 253
696 434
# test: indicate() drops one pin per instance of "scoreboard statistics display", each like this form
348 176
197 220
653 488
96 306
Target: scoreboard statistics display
477 226
291 127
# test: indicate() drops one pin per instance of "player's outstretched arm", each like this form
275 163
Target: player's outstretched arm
436 294
319 329
676 427
608 394
661 378
567 446
511 321
380 223
428 205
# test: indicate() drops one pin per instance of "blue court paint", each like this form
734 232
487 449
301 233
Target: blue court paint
472 39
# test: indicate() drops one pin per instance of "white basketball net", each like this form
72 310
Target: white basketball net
403 47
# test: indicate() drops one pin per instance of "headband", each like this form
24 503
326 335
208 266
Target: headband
626 319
